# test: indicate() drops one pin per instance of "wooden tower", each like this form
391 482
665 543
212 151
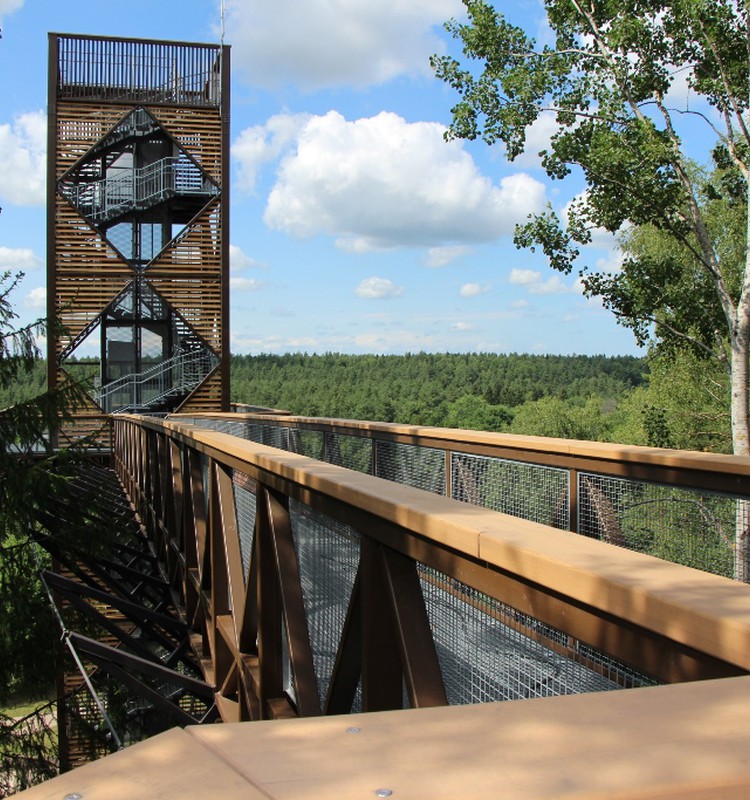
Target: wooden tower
137 225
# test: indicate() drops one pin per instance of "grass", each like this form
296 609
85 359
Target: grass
23 706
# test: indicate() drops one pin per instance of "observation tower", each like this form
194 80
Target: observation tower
137 222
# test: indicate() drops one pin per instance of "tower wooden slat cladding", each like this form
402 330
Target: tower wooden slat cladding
137 222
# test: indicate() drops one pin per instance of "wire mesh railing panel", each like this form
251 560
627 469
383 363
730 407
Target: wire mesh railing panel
488 651
421 467
206 481
328 556
690 527
274 436
529 491
270 435
352 452
245 504
309 443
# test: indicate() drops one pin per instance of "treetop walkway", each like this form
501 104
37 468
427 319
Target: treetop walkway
355 633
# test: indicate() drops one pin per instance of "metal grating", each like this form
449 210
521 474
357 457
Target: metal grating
245 504
308 443
421 467
690 527
529 491
352 452
490 652
328 556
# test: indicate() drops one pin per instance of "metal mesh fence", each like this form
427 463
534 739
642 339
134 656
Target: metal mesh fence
421 467
489 651
529 491
328 556
352 452
690 527
309 443
244 507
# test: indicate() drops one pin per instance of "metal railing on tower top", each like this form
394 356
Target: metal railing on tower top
104 68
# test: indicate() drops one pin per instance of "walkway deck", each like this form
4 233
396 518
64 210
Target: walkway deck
684 741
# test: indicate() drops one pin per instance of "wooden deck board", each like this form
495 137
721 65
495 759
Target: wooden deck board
674 741
681 741
171 765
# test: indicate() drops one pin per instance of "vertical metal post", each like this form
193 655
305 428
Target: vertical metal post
225 133
382 676
573 495
52 80
269 609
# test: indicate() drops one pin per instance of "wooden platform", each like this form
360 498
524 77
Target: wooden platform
682 741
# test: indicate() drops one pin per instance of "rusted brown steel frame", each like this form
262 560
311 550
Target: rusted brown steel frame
238 613
52 144
225 186
632 644
638 464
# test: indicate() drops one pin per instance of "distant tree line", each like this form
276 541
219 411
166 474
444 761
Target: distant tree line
660 401
674 400
472 390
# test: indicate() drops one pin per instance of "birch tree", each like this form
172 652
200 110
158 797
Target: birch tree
610 79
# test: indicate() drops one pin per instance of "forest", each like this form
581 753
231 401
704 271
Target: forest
472 390
656 401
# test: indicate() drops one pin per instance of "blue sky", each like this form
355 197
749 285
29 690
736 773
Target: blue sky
355 227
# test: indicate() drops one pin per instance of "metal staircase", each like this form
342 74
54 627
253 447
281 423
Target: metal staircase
160 387
134 189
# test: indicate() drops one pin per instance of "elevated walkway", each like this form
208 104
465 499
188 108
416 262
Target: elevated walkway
353 632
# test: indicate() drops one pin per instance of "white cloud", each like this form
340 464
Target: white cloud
524 277
319 43
246 284
519 304
261 144
397 341
23 159
381 182
18 259
532 280
538 138
553 285
9 6
36 298
442 256
463 326
271 344
239 261
378 288
472 289
612 263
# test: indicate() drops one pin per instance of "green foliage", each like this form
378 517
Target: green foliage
556 418
475 413
684 405
28 749
480 391
685 279
34 474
